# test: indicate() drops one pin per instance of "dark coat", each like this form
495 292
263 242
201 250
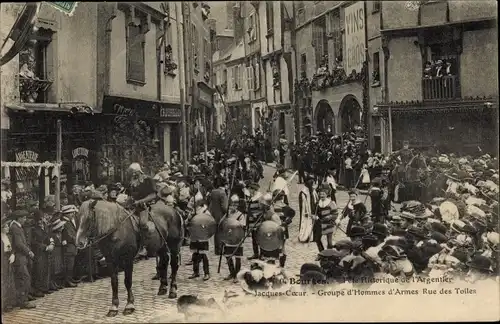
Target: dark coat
42 265
69 235
20 266
218 204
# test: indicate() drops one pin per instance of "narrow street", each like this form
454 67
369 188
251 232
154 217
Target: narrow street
89 302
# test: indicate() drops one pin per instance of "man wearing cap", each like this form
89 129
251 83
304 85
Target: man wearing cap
280 183
23 254
68 213
234 263
355 211
285 214
325 218
253 213
218 208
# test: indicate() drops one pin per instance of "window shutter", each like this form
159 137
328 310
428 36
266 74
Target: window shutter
233 77
241 75
136 62
250 77
257 76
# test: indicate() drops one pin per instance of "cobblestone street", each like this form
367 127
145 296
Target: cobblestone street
89 302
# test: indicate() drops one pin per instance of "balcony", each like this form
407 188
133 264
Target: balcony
438 88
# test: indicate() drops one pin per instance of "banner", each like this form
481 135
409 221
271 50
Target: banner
355 30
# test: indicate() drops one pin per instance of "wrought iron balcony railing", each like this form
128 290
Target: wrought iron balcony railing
445 87
31 88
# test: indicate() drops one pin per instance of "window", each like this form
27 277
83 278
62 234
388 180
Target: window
256 76
196 48
252 28
136 72
269 16
376 6
241 76
320 41
224 76
336 29
376 69
303 65
250 77
236 77
36 68
301 13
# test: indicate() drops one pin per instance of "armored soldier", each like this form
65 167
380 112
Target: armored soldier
325 218
202 228
254 212
233 229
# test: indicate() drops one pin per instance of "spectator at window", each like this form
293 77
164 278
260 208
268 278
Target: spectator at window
439 69
428 70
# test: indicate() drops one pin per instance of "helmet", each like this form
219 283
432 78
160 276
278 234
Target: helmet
232 231
270 236
202 227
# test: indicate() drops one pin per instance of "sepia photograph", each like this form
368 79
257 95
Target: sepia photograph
249 161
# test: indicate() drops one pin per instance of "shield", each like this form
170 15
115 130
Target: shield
270 236
232 231
202 227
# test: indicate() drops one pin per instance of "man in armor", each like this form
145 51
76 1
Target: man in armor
218 207
198 247
229 250
255 211
143 192
325 218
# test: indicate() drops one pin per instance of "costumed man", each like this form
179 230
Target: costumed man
332 183
200 248
280 183
308 199
325 218
218 208
270 215
376 194
285 214
143 192
355 211
253 213
234 253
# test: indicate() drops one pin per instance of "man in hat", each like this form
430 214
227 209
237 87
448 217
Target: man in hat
174 161
68 213
23 254
254 212
218 208
285 214
376 194
200 248
326 215
143 192
234 263
355 211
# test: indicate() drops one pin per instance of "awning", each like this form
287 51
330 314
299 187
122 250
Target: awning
446 106
63 107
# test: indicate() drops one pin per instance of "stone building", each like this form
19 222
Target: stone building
438 74
275 29
330 87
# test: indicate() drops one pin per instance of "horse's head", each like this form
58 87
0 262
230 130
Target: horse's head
84 225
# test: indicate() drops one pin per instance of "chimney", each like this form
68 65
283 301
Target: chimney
238 21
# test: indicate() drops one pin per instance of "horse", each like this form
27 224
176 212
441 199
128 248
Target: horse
116 232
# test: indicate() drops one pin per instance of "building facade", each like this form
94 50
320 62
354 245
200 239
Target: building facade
275 29
331 65
431 91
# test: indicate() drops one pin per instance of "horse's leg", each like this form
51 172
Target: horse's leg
113 310
129 308
163 271
174 264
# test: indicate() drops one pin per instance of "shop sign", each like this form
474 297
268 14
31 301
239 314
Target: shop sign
26 156
80 152
170 114
355 36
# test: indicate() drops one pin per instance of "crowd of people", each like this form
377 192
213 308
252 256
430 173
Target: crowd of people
448 220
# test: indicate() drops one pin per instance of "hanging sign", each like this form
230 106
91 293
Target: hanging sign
80 151
26 156
354 21
64 7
